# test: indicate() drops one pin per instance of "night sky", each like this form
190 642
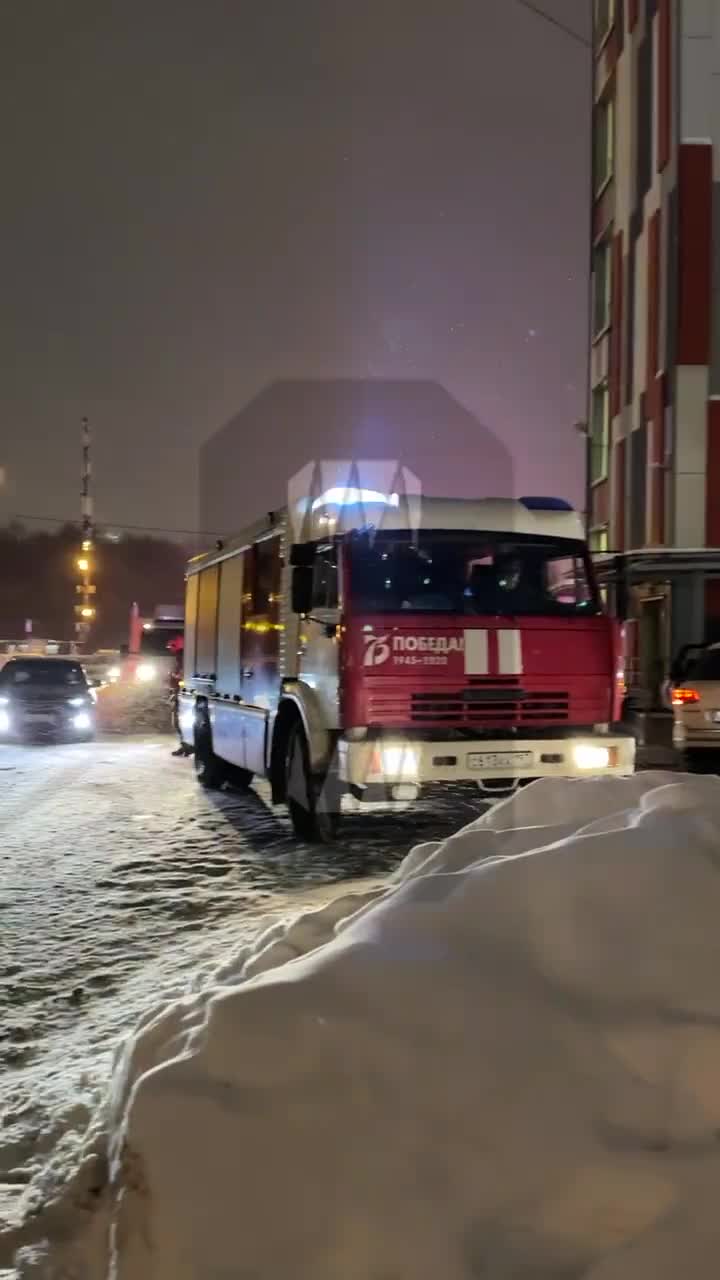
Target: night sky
201 198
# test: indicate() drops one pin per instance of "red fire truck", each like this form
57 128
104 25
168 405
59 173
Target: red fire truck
392 644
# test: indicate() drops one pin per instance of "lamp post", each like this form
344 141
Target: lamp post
85 610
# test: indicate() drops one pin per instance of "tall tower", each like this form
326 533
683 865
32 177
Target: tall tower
85 610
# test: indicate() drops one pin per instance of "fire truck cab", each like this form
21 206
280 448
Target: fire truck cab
373 645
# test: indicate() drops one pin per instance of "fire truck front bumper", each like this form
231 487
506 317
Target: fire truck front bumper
410 763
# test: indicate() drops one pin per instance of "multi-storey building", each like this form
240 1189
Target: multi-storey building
654 430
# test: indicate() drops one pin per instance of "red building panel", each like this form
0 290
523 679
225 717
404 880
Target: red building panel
653 301
712 600
712 485
694 253
613 49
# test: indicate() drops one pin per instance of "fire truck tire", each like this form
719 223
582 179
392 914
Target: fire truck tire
210 771
239 778
701 760
313 800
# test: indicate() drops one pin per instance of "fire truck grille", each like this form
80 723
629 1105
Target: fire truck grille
493 706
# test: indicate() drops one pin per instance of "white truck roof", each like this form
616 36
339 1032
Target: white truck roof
490 515
327 515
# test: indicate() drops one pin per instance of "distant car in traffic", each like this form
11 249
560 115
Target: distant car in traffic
696 703
46 698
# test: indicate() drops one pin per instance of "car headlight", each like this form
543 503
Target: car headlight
399 761
4 721
145 672
82 721
4 702
76 702
590 757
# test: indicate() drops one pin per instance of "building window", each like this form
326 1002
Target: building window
599 540
604 18
604 143
637 501
265 575
602 273
599 434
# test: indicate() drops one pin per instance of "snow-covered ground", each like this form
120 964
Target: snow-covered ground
121 882
504 1063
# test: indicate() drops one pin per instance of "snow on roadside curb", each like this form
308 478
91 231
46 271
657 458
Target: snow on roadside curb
504 1064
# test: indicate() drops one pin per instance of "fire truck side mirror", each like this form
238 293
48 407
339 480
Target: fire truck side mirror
302 583
302 554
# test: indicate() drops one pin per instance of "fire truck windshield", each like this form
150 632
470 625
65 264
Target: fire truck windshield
471 573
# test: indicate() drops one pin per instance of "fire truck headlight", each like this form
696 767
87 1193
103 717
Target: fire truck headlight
399 761
145 672
590 757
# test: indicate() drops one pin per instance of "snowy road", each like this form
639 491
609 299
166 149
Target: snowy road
120 879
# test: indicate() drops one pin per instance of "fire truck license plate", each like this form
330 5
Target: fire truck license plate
499 759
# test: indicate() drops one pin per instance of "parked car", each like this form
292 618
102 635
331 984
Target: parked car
696 703
46 698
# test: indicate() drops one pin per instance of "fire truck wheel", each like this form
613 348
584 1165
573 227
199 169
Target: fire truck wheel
210 770
313 801
701 761
239 778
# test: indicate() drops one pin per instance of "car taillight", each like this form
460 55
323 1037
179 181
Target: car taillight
683 697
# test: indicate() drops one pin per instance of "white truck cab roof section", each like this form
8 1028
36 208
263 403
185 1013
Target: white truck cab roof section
490 515
329 514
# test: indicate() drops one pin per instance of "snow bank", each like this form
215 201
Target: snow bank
505 1065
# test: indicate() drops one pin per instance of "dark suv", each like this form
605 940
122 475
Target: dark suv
43 698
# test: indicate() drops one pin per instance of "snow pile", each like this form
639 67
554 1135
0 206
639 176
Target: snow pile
505 1065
